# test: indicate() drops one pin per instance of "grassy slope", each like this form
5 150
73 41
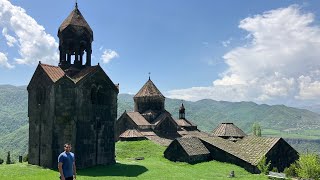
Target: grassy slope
155 166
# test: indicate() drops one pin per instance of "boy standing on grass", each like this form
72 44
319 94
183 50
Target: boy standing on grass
66 164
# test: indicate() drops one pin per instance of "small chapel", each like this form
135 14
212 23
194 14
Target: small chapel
74 102
150 120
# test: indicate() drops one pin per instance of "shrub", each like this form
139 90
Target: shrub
8 158
274 169
291 171
263 166
26 158
309 166
1 161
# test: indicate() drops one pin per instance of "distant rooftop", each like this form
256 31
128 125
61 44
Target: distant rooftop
228 130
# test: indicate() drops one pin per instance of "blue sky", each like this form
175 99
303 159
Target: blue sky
261 51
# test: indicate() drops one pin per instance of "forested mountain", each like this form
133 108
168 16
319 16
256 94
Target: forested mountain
275 120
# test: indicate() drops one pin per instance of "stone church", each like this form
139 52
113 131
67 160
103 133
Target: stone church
151 120
73 102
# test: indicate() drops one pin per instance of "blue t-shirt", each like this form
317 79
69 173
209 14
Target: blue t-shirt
67 160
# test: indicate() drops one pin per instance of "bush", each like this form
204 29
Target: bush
26 158
263 166
1 161
8 158
274 169
291 171
309 166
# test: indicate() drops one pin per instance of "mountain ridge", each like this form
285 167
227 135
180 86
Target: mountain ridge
275 120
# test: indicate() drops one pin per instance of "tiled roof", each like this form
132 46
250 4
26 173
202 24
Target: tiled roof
222 144
194 133
149 90
148 133
250 149
84 72
254 148
75 18
138 119
159 140
161 117
54 72
131 133
228 130
184 123
192 146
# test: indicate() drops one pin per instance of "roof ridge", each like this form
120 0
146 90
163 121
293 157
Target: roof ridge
41 64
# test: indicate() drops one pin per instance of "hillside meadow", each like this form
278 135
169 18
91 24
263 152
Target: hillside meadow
154 166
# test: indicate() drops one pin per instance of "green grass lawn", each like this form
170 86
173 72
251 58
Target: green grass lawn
154 166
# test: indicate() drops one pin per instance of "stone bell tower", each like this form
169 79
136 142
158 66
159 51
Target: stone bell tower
73 102
75 41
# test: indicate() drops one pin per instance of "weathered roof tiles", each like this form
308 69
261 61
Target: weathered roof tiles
228 130
149 90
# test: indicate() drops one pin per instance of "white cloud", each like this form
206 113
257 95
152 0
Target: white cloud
4 61
309 89
10 39
108 55
34 43
227 42
279 64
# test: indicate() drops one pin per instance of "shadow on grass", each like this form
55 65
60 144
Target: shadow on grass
117 169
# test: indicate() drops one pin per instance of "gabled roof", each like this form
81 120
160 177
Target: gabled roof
184 123
162 117
138 119
228 130
192 146
75 18
149 90
83 73
194 133
250 149
131 133
54 72
254 148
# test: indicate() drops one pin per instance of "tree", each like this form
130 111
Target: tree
256 129
8 158
263 166
309 166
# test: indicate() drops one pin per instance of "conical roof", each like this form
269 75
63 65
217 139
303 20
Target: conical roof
149 90
75 18
228 130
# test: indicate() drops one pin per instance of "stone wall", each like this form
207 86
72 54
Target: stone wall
142 104
68 115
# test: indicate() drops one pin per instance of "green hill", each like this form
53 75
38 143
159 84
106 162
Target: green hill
154 166
276 120
13 111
